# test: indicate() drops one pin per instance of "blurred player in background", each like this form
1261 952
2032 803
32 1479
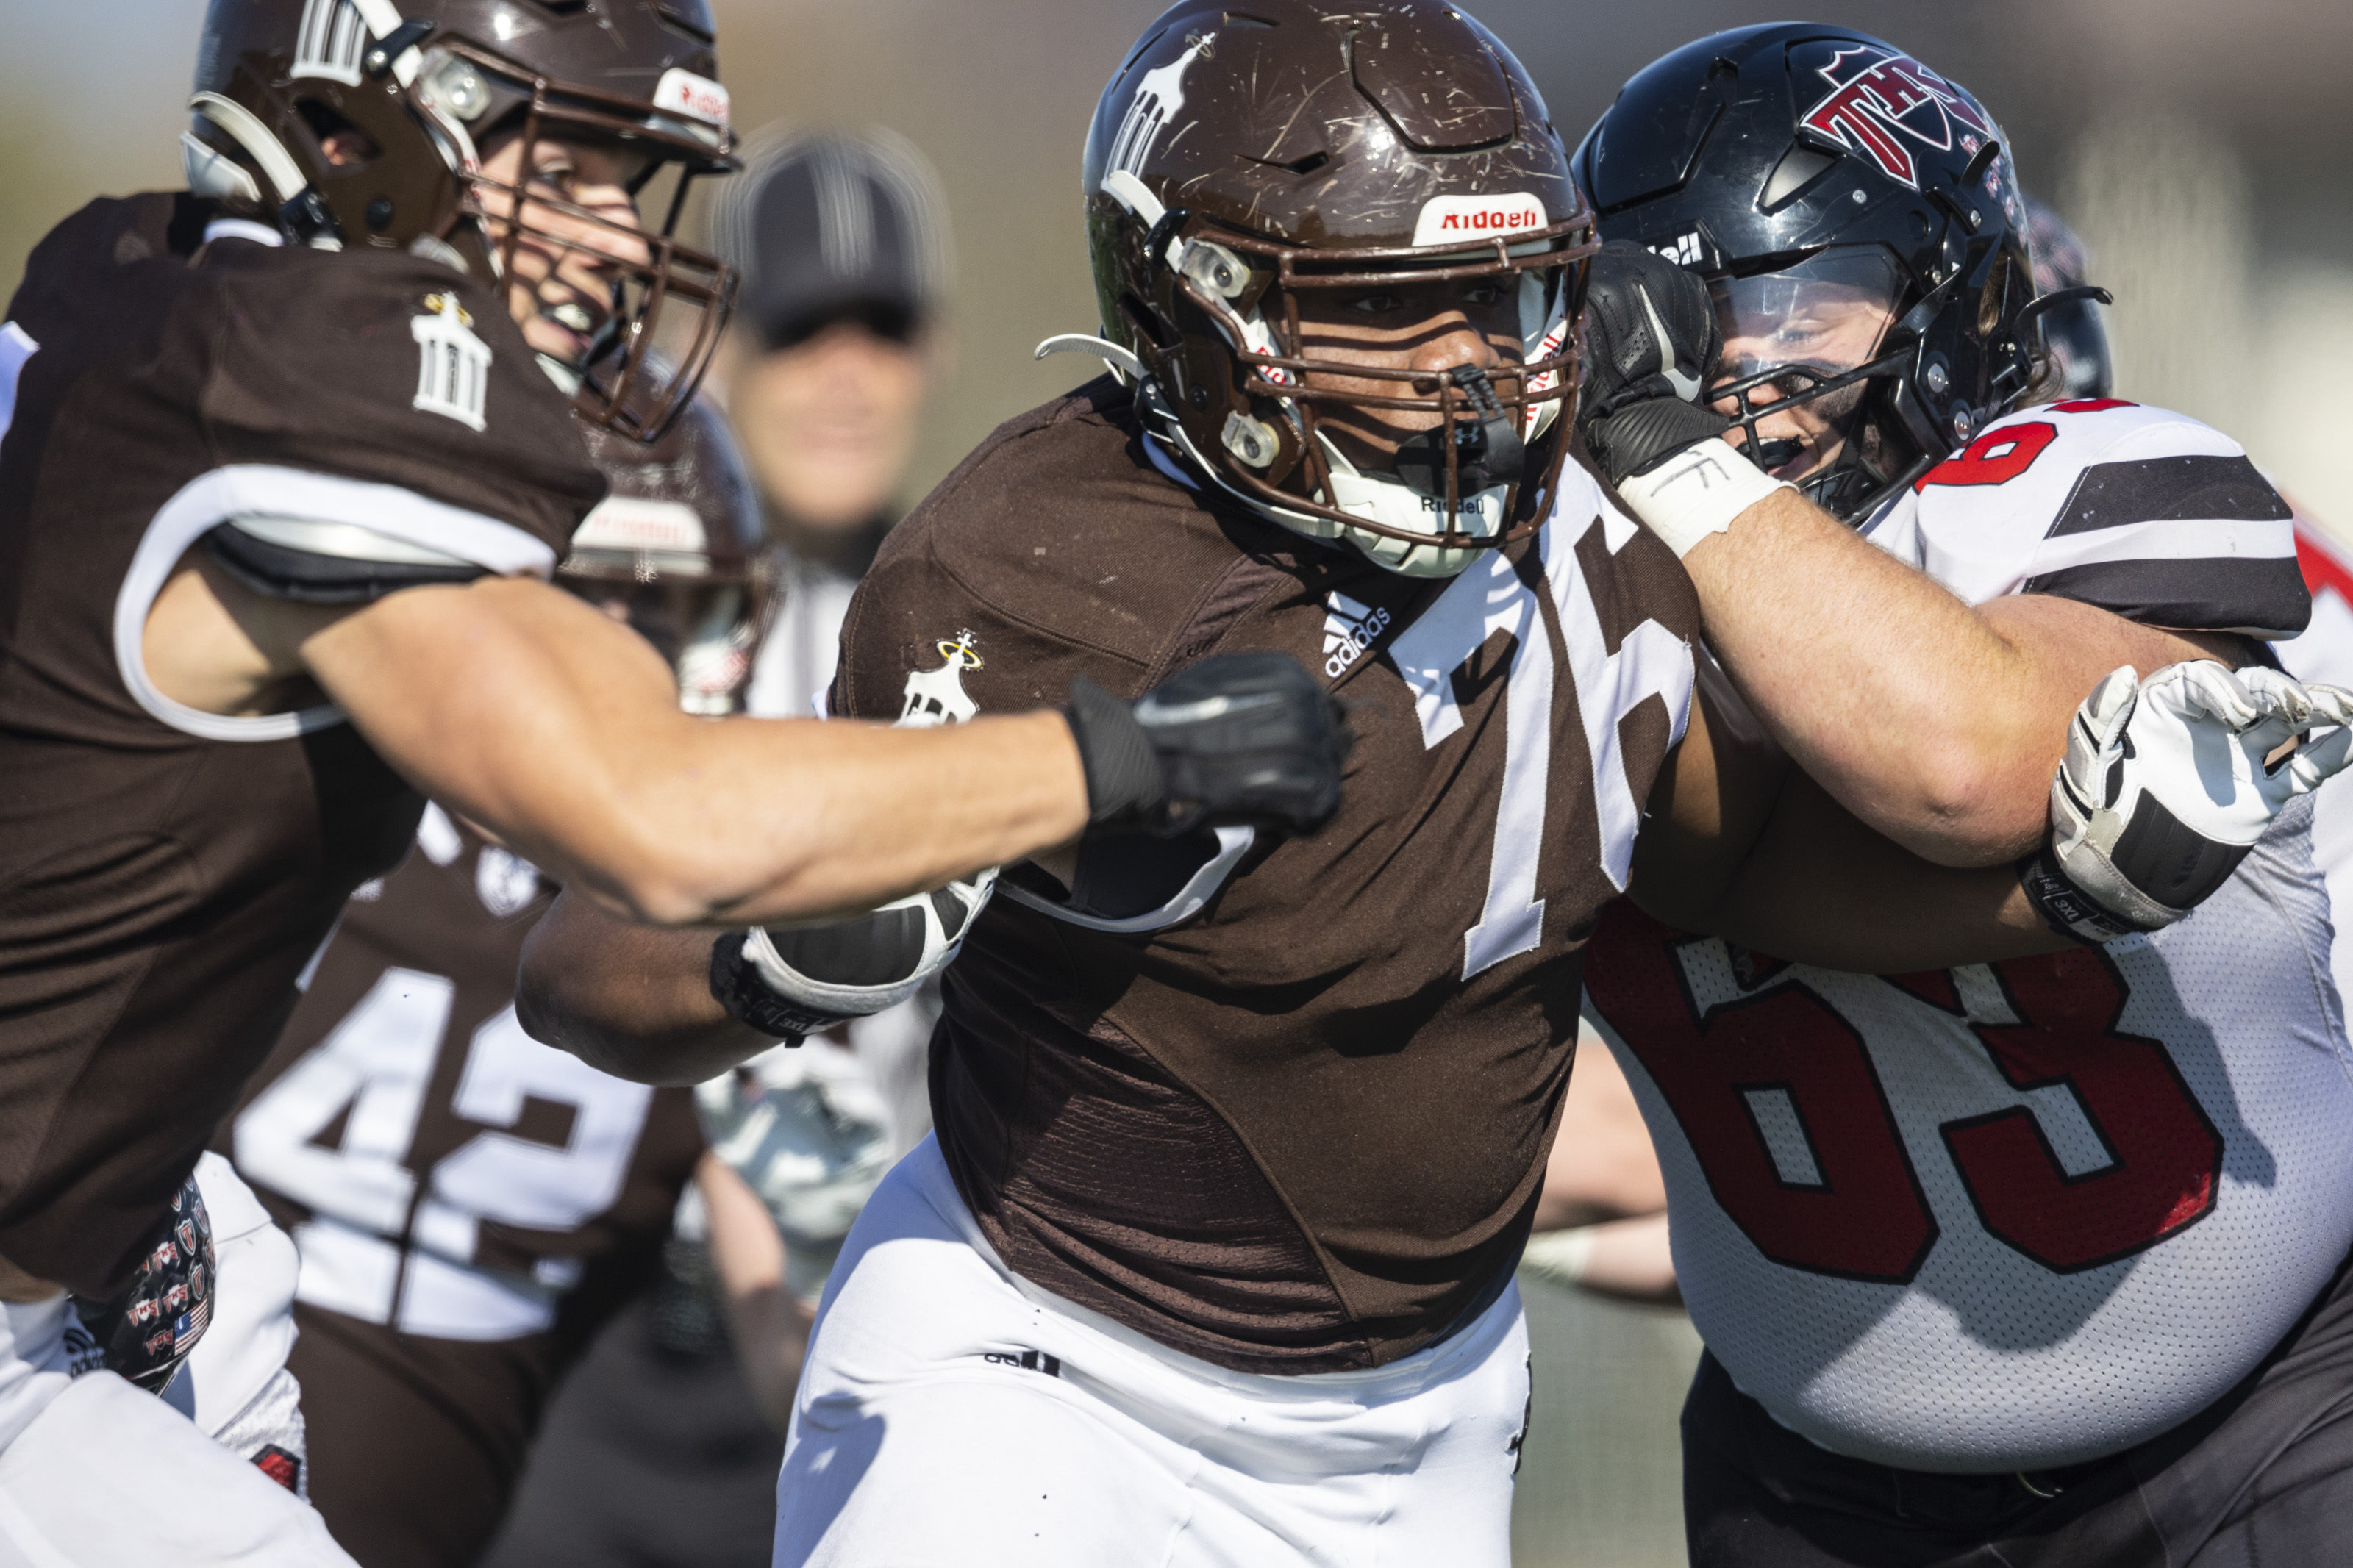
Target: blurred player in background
2035 1261
470 1206
843 243
842 239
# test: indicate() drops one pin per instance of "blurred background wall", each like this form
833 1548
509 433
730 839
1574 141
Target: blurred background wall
2199 148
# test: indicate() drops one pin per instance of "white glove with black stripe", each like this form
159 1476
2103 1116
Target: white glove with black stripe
2168 783
789 982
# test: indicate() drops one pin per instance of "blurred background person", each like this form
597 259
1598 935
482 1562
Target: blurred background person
471 1206
842 237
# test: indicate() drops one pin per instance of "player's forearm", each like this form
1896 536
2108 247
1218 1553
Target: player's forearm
1937 723
1822 887
476 693
769 1325
629 1000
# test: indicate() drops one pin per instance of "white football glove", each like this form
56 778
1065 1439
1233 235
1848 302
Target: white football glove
789 982
2166 787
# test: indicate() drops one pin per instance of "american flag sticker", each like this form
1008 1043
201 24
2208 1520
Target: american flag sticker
190 1328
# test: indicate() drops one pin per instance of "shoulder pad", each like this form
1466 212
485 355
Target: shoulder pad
2139 510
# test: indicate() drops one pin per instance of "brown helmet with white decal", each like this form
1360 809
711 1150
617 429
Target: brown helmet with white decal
1240 161
346 123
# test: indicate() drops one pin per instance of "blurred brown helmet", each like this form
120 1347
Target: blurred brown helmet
1238 159
676 549
423 83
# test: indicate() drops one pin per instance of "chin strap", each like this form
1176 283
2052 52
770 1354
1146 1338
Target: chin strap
1123 365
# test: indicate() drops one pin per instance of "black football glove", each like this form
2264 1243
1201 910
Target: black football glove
1651 346
1244 738
148 1330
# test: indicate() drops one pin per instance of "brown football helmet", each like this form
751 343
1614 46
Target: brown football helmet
423 83
676 549
1241 159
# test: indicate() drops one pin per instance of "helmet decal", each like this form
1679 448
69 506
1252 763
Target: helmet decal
696 97
1477 217
1157 99
1876 93
330 41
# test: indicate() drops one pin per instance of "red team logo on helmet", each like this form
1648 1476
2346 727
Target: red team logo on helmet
1876 93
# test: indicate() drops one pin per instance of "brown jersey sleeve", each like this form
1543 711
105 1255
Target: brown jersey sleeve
385 393
1045 555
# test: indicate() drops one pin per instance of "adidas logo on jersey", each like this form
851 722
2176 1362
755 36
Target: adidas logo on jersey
1350 630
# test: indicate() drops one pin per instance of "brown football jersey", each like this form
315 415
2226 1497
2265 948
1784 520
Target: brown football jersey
470 1204
1283 1106
165 874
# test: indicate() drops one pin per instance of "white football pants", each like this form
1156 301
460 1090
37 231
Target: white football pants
951 1413
95 1473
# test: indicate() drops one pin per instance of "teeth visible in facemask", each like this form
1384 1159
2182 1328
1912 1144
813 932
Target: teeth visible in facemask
573 315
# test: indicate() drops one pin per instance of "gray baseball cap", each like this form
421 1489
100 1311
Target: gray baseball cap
827 225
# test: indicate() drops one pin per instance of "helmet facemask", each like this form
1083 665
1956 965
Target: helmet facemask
1250 403
669 304
1808 349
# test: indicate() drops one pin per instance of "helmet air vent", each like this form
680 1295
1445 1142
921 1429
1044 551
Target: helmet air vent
1799 168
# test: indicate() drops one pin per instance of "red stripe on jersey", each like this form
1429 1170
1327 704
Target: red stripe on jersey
2324 563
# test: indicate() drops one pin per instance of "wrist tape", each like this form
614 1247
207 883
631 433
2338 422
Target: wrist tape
2065 907
1695 493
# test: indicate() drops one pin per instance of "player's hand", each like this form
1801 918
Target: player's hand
1242 738
1651 346
789 982
2169 781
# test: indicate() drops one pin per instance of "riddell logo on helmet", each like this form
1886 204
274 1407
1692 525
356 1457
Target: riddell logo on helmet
1876 93
1445 218
697 97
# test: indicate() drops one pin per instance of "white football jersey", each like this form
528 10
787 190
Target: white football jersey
2324 652
2027 1215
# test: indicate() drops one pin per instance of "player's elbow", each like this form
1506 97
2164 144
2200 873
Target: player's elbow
1966 805
548 1016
